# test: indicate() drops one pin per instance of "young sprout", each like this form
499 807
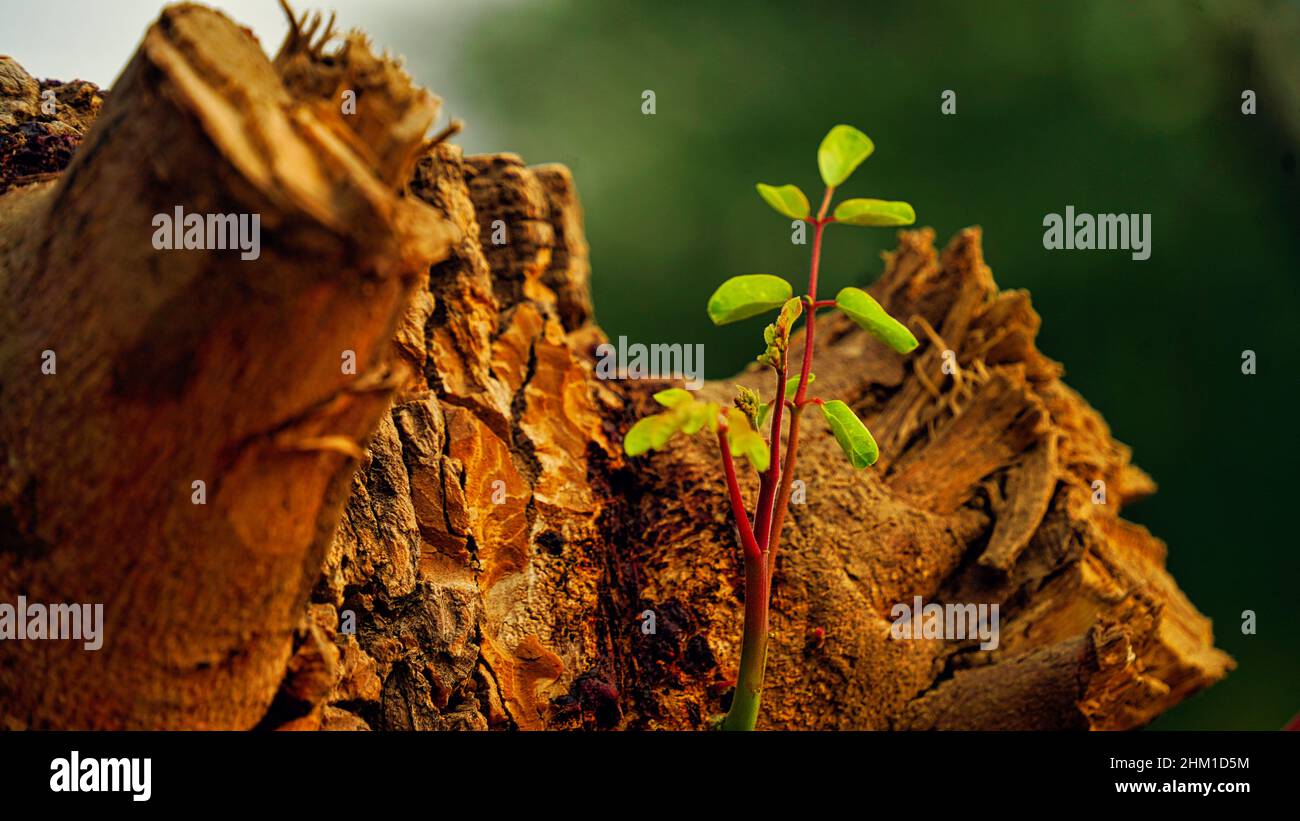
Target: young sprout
737 428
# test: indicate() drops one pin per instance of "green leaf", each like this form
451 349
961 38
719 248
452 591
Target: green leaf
748 295
853 437
763 411
697 415
777 334
650 433
686 415
865 311
711 415
745 441
792 385
790 311
753 447
673 396
842 151
876 213
785 199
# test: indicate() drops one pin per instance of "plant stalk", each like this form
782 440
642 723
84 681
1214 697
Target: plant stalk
783 495
752 550
753 647
769 515
767 491
743 714
782 501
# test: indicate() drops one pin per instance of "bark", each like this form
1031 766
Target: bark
181 366
496 553
526 610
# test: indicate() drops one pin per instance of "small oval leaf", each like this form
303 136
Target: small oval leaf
865 311
748 295
745 441
843 150
785 199
673 396
792 384
875 213
697 415
643 435
687 415
853 437
754 448
790 311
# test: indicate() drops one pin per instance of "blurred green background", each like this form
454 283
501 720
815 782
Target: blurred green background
1107 106
1110 106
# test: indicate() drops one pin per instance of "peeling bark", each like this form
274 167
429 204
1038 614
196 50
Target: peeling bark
496 550
183 366
984 493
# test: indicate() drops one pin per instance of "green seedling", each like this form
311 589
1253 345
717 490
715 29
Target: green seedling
737 428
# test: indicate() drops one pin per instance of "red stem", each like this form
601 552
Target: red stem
783 495
752 550
782 500
771 479
770 513
810 323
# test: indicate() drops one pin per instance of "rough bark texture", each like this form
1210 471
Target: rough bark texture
497 552
181 366
524 610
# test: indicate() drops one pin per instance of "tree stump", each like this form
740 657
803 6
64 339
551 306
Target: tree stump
451 538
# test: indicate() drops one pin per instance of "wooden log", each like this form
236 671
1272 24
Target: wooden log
175 367
985 494
498 555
